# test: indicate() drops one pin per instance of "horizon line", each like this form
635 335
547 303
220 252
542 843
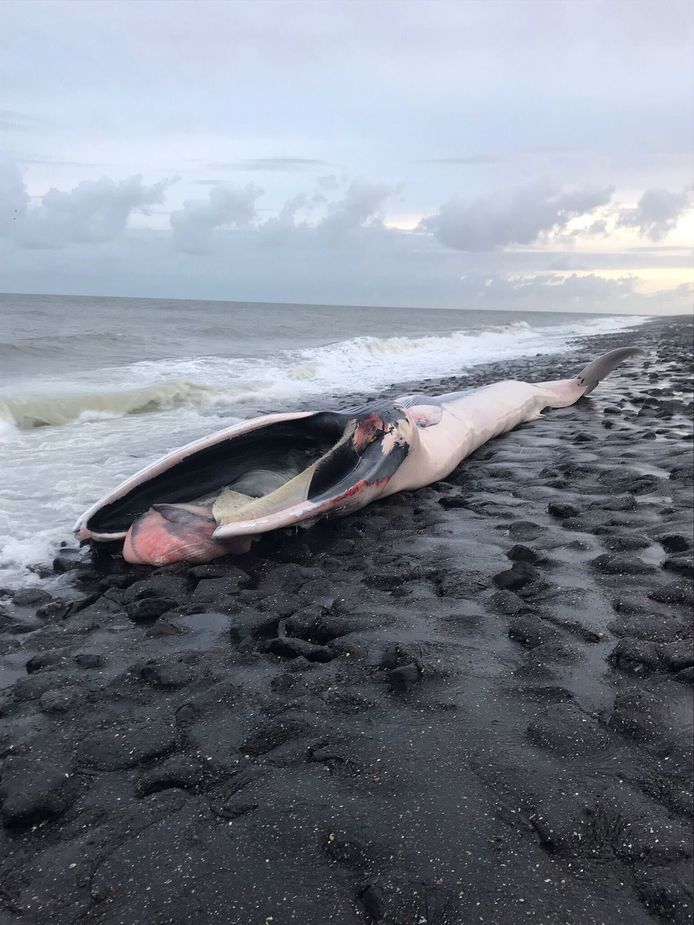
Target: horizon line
535 311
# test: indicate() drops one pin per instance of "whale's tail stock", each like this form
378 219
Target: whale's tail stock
564 392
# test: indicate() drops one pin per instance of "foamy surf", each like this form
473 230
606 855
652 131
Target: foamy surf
8 430
27 411
213 382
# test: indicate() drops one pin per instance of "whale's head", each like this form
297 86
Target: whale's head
203 500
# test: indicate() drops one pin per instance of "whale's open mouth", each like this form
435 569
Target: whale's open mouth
252 463
365 457
243 482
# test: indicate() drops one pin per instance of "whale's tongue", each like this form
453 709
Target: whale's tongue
169 533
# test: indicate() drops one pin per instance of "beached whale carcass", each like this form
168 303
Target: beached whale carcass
212 496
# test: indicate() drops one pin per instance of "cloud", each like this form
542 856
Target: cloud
509 157
12 121
516 216
94 211
277 163
52 161
373 267
194 226
226 207
656 213
288 218
361 205
570 292
548 291
468 160
598 227
13 198
329 182
563 262
338 250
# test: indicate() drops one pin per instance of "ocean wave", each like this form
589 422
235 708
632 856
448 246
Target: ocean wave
291 375
365 362
39 345
28 411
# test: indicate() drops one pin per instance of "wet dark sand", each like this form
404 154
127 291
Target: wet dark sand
467 704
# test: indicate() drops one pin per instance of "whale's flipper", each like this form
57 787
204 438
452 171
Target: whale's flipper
564 392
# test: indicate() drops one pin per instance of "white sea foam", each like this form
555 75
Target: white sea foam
8 430
290 375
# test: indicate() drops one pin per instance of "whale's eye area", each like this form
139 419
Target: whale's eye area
367 430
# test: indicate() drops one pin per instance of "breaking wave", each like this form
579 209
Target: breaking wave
288 376
30 411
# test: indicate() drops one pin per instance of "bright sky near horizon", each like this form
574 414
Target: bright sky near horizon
514 154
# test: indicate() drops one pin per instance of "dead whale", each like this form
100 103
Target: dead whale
211 497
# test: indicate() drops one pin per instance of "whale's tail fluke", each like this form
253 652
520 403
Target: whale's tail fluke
564 392
598 369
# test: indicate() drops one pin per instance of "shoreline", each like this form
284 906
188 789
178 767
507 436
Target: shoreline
470 702
77 464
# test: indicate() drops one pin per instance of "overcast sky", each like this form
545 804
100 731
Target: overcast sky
455 154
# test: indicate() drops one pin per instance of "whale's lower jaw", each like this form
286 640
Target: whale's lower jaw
278 446
169 533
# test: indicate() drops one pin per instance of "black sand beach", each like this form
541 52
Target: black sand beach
468 704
